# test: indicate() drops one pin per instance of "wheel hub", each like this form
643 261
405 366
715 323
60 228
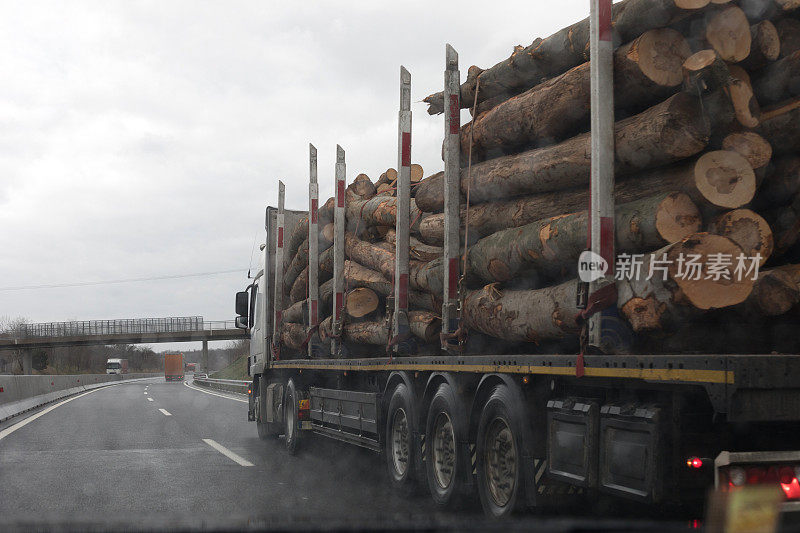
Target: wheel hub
400 442
444 450
501 462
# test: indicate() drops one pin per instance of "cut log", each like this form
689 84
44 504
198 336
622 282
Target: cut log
766 46
425 325
422 324
750 145
299 290
728 32
747 229
387 177
778 81
416 172
292 336
781 127
553 243
419 250
361 189
523 316
299 264
361 302
705 71
658 304
780 186
380 211
667 132
785 224
300 231
774 293
563 50
734 107
646 71
788 35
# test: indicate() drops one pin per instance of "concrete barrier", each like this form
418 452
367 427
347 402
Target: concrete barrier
19 394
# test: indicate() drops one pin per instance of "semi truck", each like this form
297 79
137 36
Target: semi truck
190 367
519 430
117 366
173 366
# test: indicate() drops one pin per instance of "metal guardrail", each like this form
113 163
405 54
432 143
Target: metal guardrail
230 385
121 326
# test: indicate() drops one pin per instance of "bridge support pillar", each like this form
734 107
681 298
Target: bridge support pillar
205 356
27 362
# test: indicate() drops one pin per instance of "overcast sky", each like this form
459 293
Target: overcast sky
143 139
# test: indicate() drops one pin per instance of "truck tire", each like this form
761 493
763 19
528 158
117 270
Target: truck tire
401 450
291 431
499 455
448 464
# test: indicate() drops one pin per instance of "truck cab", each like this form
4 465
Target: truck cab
117 366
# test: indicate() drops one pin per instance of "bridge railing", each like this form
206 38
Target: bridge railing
118 326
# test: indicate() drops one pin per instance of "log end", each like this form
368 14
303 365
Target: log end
677 217
725 179
750 145
728 32
747 229
775 293
660 54
644 314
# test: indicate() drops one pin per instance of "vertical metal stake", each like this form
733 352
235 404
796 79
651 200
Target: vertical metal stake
278 287
452 190
402 244
601 228
313 243
338 251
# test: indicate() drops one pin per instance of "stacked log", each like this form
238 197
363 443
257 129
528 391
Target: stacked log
707 192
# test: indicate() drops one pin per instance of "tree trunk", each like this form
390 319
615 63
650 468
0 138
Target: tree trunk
646 70
292 336
299 290
788 35
779 187
750 145
728 33
361 189
705 72
423 324
523 316
300 231
747 229
667 132
778 81
551 244
379 211
419 251
785 224
781 127
565 49
666 299
774 293
766 46
361 302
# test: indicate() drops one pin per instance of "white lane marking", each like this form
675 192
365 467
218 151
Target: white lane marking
149 399
145 392
227 453
9 430
213 393
166 413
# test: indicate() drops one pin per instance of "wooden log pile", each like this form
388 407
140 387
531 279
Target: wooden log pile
707 169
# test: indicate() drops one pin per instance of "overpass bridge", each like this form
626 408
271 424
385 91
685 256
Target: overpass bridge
121 331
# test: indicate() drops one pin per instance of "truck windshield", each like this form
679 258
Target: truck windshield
111 366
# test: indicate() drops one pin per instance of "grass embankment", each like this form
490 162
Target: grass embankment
236 370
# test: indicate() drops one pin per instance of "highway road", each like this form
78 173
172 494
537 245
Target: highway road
153 454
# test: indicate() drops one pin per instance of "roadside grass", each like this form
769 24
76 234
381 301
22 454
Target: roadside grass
236 370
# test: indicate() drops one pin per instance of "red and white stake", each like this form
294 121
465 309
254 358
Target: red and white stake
313 242
277 297
338 251
403 217
452 191
601 227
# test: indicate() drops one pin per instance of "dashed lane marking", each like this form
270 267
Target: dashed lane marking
149 399
227 453
165 412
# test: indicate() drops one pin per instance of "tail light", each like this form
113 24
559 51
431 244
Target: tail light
303 410
784 475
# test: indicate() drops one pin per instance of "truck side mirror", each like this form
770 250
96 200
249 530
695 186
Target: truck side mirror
241 322
241 304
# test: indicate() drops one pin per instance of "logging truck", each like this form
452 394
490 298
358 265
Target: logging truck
458 342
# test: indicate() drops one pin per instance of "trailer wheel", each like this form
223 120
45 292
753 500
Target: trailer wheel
400 447
291 430
499 455
448 463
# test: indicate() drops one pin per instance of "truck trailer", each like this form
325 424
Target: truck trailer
173 366
523 420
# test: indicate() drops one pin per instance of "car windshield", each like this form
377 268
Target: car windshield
113 365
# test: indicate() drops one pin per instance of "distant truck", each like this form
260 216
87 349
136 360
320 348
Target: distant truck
117 366
191 367
173 366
